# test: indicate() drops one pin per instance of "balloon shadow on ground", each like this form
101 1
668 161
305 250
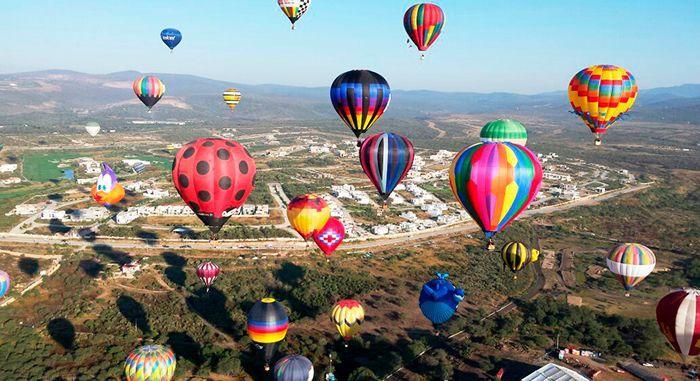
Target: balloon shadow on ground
55 197
134 312
184 346
29 266
57 226
118 257
290 274
175 272
211 306
91 267
62 332
173 259
87 235
149 238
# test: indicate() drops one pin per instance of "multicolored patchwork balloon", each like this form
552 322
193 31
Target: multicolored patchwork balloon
207 273
267 325
330 236
678 315
439 299
150 363
232 97
107 191
600 95
494 183
308 213
149 90
386 159
505 131
348 316
4 283
423 23
294 9
360 98
631 263
294 368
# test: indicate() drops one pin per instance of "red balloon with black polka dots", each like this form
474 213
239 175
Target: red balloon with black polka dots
213 176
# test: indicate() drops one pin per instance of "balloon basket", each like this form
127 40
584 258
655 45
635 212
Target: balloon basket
491 246
267 367
627 294
598 141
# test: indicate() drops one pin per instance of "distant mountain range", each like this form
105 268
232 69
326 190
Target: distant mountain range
78 96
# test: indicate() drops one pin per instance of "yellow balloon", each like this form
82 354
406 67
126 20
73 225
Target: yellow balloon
232 97
348 315
308 213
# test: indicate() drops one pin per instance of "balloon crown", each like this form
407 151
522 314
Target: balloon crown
442 275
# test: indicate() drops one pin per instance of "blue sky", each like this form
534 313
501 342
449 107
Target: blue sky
487 45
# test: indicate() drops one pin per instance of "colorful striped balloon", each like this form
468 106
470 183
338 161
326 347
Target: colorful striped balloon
294 9
600 94
494 183
207 273
294 368
267 325
4 283
232 97
149 90
150 363
631 263
360 98
504 130
516 256
308 213
386 159
678 315
348 316
423 23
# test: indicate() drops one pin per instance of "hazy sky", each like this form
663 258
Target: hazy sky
487 45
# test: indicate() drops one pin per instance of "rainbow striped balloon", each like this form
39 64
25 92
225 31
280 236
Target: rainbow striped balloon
600 94
267 321
495 182
149 90
631 263
360 98
423 24
150 363
4 283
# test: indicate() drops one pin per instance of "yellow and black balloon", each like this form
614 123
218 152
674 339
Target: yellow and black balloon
516 256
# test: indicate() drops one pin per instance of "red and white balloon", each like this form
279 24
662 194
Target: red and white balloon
678 315
330 236
207 273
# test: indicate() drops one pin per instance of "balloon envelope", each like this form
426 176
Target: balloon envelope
495 182
330 236
171 37
207 272
4 283
232 97
107 191
294 368
308 213
516 256
504 130
348 316
360 98
294 9
678 315
92 128
213 176
423 24
149 90
439 299
267 325
386 159
150 363
631 263
601 94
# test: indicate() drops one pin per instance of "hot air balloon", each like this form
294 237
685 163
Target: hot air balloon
423 23
294 368
678 315
631 263
149 90
360 97
92 128
207 273
330 236
386 159
267 326
504 130
348 316
4 283
516 256
171 37
439 299
150 363
213 176
494 183
107 191
600 95
308 213
232 97
294 9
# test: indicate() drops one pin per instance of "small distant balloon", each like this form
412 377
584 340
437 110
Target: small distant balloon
171 37
294 9
207 272
92 128
423 24
149 90
232 97
107 191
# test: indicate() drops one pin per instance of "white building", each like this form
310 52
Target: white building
11 180
125 217
380 230
155 193
132 162
50 214
5 168
25 209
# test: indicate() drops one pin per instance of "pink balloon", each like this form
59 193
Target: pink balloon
330 236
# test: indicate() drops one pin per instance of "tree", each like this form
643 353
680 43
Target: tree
362 374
